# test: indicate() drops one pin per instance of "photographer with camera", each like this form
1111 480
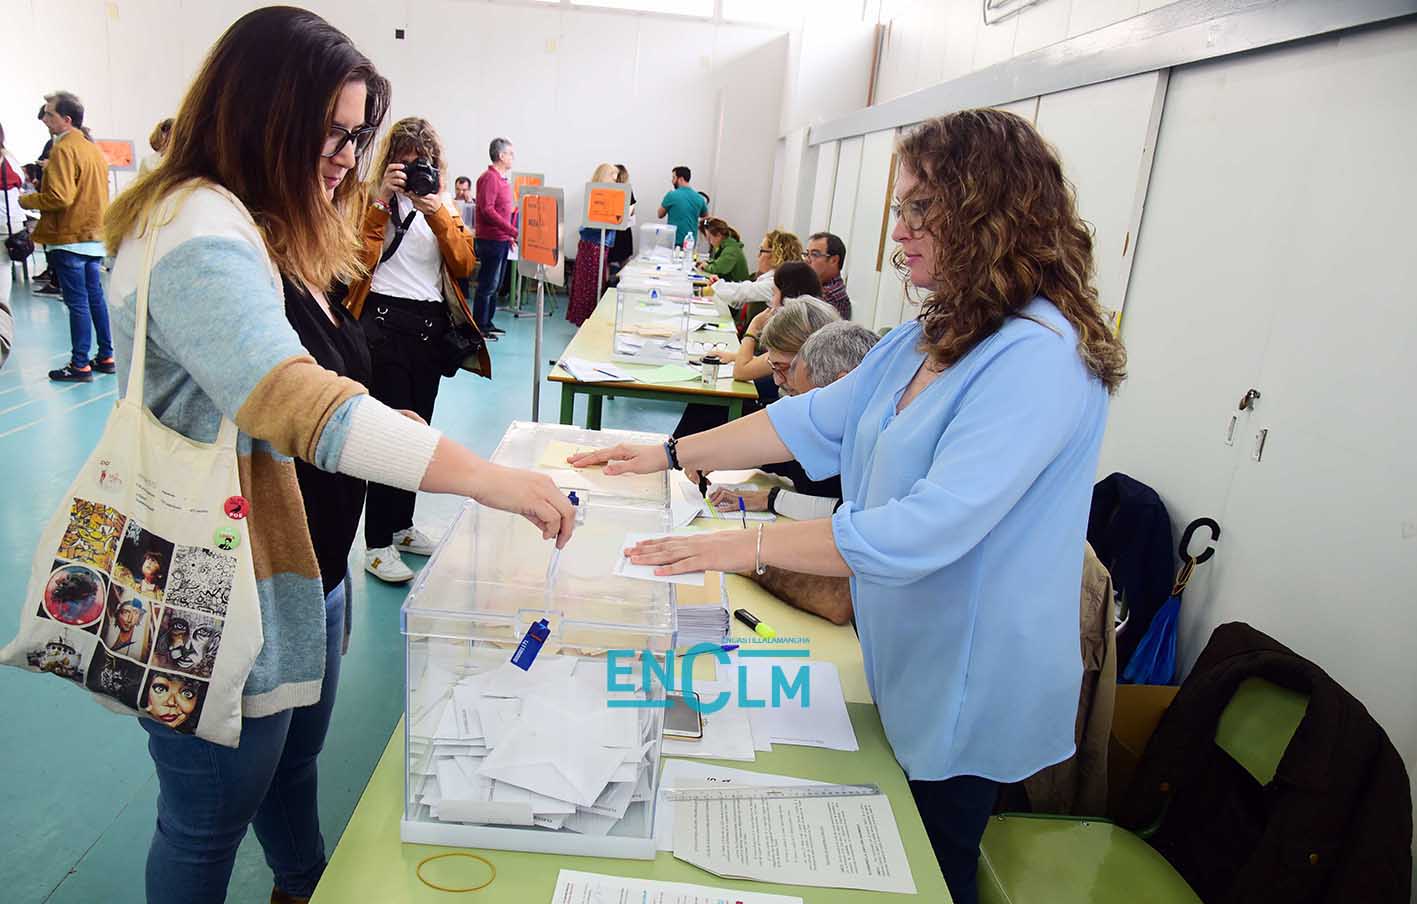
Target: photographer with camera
416 249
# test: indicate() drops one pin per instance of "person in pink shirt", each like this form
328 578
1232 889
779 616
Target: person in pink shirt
495 232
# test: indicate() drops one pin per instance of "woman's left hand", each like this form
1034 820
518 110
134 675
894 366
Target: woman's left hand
427 204
719 550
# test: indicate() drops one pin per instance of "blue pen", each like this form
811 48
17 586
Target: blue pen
729 647
556 553
743 512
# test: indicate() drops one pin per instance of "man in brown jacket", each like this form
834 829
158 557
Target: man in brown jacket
72 200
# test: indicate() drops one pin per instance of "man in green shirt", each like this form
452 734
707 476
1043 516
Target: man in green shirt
683 207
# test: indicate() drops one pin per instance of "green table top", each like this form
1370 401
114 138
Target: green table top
372 865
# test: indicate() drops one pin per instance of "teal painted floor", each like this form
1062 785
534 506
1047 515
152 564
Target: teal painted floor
78 791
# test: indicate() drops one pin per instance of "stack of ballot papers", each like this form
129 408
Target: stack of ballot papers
531 748
703 612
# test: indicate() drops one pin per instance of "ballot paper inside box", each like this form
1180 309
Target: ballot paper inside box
536 759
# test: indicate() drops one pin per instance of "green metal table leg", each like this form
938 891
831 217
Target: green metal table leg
592 417
568 404
735 409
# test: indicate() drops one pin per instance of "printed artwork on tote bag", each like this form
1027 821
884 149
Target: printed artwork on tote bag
142 589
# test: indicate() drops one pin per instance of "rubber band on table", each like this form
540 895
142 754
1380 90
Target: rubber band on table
426 860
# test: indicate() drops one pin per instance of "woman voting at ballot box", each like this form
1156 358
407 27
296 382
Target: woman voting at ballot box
966 442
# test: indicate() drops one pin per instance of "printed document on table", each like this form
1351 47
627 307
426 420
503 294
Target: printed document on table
574 887
830 842
680 774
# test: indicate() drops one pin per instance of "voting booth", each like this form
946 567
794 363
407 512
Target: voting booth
544 758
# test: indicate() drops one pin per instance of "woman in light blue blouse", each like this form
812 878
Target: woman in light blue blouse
967 443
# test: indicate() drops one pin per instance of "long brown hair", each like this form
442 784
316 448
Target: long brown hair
412 133
721 228
254 121
1006 230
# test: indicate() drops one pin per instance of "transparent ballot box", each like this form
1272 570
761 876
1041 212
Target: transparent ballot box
545 447
548 758
650 327
657 241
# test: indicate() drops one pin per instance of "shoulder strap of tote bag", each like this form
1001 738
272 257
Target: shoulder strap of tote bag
226 434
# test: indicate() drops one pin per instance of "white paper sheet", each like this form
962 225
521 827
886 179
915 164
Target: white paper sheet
841 842
689 774
646 572
824 723
541 759
595 371
573 887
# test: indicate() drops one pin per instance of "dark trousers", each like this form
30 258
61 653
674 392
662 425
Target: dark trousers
955 812
492 257
82 289
403 341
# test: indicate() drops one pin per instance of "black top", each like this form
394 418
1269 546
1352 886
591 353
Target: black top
333 502
793 471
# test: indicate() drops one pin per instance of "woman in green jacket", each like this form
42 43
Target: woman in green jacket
726 261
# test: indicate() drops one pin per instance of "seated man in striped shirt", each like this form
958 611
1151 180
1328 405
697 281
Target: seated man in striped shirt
826 254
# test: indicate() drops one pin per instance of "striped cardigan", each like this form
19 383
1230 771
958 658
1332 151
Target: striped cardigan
219 344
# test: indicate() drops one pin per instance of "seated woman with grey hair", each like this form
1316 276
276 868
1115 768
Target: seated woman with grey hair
804 358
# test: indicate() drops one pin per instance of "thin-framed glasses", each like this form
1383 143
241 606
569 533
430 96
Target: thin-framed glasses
814 254
340 136
782 367
911 213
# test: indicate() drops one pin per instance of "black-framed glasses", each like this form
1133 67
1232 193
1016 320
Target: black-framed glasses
765 251
815 255
340 136
911 213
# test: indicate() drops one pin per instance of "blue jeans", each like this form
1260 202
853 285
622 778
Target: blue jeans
82 289
208 795
492 255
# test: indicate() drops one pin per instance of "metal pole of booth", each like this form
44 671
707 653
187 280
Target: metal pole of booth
600 271
536 354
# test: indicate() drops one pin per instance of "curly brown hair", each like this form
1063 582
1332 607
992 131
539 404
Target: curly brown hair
412 133
786 246
1006 230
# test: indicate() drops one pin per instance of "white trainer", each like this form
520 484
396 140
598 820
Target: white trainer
386 565
414 542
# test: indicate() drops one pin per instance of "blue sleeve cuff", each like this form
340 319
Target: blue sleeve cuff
331 444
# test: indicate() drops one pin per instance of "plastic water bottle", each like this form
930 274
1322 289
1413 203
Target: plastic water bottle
688 253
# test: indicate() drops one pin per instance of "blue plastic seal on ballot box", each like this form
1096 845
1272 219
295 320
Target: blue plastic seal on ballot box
531 643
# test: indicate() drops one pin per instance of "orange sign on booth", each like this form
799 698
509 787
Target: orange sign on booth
606 207
521 181
117 151
539 224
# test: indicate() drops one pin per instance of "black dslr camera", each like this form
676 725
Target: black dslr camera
421 178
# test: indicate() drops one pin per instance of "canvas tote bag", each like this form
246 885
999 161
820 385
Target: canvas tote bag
143 589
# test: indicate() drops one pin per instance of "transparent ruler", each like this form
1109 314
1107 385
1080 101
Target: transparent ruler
771 792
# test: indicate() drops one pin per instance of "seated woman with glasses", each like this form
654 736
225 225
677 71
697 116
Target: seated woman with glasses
793 279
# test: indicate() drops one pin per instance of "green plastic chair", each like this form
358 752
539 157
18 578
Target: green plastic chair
1039 859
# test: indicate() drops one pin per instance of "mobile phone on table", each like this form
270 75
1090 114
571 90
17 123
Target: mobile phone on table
682 720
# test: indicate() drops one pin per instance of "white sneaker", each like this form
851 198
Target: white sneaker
414 542
386 565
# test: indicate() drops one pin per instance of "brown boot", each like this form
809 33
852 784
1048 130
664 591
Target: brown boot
280 897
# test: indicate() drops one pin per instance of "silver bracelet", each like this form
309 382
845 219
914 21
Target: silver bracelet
758 565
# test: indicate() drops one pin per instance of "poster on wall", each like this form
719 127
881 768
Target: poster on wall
607 206
539 224
119 154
